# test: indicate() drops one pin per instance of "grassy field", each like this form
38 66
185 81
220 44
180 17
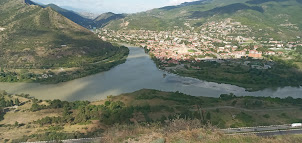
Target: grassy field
149 113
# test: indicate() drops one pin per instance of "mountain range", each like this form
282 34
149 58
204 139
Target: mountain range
98 22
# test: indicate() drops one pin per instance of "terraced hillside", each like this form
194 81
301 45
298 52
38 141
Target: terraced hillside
38 44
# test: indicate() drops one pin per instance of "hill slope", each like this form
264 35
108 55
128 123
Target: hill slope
38 44
269 15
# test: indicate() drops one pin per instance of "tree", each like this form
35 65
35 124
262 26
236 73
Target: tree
16 124
17 102
9 103
35 107
208 116
2 102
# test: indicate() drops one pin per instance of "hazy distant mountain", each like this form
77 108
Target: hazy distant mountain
88 15
34 38
105 18
85 22
274 16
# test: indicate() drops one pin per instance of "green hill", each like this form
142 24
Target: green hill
268 15
38 44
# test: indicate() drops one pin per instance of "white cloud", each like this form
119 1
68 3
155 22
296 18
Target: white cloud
177 2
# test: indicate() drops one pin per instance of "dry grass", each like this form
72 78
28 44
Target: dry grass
26 117
17 132
183 131
83 128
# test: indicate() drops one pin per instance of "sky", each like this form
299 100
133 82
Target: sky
116 6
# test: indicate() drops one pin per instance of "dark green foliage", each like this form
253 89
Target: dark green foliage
227 96
17 102
245 118
6 103
55 104
177 97
1 113
283 115
50 121
234 102
36 107
266 116
16 124
208 117
116 112
299 49
50 136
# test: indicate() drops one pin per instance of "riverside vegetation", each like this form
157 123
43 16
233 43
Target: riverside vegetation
137 115
234 71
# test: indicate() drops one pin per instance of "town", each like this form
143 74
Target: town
215 40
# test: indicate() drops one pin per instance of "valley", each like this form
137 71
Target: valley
202 71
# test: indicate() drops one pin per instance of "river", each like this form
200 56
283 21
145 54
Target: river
138 72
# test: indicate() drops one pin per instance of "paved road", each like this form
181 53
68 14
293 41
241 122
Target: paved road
275 133
264 130
256 129
249 110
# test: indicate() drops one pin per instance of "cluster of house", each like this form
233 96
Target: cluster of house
221 40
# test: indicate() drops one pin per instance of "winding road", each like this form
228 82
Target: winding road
264 130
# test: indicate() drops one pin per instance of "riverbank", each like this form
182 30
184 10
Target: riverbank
246 73
71 70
